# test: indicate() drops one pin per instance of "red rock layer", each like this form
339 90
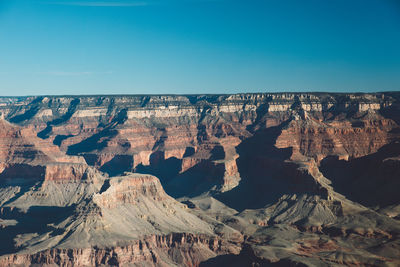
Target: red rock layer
181 249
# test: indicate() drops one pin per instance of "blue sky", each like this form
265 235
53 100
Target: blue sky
198 46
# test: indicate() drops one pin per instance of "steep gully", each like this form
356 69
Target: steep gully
304 160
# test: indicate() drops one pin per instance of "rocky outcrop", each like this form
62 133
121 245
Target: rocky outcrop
98 220
127 190
20 145
126 133
344 138
168 250
263 179
59 172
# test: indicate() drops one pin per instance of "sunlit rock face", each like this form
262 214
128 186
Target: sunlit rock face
242 165
171 136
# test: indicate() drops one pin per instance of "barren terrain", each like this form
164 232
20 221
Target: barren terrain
284 179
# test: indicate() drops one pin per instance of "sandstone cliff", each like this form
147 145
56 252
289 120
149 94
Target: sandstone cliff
319 168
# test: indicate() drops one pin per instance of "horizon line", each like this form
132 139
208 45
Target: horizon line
204 94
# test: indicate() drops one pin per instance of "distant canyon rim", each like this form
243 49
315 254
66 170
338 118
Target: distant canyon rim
252 179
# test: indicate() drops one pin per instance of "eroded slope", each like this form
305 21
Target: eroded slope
263 179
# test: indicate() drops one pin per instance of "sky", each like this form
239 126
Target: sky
198 46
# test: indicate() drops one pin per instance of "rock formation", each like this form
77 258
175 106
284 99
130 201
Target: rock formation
249 179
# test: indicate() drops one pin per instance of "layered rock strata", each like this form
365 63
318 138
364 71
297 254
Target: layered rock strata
262 179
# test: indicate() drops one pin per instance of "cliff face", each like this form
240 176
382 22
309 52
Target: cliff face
175 137
273 159
181 249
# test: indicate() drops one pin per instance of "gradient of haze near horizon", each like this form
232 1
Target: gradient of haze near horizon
198 46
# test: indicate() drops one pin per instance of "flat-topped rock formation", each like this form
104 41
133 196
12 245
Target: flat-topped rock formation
142 133
82 179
